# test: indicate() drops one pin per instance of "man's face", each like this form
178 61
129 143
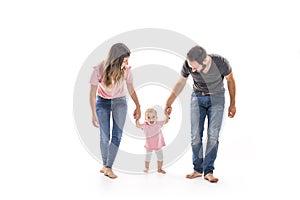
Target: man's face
196 67
151 117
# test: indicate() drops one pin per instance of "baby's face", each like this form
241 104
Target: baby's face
151 118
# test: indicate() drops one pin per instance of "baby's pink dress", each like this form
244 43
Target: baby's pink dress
154 136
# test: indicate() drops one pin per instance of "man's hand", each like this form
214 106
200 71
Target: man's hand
168 110
231 111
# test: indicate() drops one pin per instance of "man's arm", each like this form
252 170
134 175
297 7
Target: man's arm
176 91
231 89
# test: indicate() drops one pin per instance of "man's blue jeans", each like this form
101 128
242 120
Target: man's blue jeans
212 107
105 108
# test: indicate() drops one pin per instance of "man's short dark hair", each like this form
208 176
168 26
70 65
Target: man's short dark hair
197 53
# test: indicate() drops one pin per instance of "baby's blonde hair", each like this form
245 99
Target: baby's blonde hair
150 110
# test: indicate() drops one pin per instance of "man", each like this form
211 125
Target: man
207 100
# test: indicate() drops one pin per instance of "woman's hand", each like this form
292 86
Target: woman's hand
95 121
137 113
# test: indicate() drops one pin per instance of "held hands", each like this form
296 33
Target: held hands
137 113
168 110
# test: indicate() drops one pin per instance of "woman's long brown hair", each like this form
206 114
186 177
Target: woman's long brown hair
113 75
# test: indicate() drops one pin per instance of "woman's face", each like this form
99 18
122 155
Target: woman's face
125 62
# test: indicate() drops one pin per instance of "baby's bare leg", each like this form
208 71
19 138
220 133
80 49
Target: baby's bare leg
146 167
160 157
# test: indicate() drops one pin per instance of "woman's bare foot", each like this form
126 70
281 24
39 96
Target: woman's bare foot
161 171
211 178
109 173
146 170
103 169
193 175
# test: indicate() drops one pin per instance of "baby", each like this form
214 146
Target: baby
154 138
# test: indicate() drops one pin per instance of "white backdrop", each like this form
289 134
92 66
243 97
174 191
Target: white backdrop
43 45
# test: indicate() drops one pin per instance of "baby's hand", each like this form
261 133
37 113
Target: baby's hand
137 123
167 119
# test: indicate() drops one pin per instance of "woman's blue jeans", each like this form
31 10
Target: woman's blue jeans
212 107
109 144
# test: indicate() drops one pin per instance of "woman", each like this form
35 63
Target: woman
108 82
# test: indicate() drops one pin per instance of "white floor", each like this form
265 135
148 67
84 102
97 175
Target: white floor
54 165
239 179
171 184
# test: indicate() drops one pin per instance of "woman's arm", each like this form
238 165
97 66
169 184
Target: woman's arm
93 91
137 111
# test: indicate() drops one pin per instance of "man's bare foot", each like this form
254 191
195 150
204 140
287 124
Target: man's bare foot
193 175
109 173
161 171
103 169
211 178
146 170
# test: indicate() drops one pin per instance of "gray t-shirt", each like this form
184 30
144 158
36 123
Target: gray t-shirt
212 81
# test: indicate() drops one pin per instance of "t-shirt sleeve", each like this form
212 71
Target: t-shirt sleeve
185 71
96 76
223 64
226 67
129 76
